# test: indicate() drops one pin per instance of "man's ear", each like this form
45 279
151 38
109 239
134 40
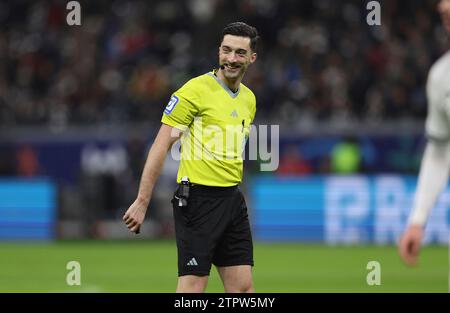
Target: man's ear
253 57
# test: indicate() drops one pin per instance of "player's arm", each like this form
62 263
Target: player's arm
164 140
433 177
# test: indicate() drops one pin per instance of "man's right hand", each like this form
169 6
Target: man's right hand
134 216
410 242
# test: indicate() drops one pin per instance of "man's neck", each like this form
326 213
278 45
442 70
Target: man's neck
232 84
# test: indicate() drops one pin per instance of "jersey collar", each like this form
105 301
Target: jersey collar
224 86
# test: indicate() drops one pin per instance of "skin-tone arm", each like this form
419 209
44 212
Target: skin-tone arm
135 214
433 176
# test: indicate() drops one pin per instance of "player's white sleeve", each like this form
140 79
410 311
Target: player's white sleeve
433 177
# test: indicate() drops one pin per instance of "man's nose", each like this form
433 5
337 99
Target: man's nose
232 57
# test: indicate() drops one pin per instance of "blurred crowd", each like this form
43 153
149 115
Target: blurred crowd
318 60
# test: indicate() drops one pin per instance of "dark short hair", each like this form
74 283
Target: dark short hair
243 30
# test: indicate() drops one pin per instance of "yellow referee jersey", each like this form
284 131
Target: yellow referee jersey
216 122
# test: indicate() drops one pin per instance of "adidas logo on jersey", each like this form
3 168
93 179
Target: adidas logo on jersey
234 114
192 262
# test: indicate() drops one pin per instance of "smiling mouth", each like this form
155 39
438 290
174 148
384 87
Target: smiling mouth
232 68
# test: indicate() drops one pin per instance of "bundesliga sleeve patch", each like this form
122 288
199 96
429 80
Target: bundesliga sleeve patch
171 105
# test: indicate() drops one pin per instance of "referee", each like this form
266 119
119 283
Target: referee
211 221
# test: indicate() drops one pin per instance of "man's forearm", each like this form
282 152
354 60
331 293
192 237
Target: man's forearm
433 178
155 161
152 169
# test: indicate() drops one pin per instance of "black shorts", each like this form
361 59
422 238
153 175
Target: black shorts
212 229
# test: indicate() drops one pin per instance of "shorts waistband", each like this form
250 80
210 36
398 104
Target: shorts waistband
202 190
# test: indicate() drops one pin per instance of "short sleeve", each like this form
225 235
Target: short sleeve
182 107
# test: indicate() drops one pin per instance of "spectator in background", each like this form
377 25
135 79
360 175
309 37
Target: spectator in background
27 162
346 157
292 163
